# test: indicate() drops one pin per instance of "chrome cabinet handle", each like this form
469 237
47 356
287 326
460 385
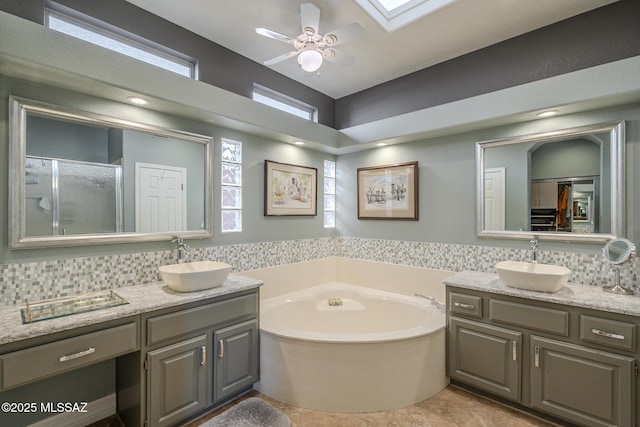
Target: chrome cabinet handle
221 355
86 352
607 334
514 350
463 305
203 356
536 356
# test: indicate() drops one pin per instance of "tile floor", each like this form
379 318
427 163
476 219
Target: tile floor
452 407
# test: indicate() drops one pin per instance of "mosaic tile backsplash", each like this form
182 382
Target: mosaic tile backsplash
36 281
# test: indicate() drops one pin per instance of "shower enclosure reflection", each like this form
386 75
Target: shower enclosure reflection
66 197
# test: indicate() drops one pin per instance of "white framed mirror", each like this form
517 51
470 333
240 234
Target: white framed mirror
565 185
81 178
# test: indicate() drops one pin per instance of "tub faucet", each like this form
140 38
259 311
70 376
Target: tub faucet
182 247
534 249
433 301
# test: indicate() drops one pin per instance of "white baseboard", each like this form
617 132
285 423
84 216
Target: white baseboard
95 411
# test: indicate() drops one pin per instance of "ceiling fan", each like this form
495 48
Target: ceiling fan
311 47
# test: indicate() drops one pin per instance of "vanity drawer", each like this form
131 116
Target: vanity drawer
33 363
611 333
170 325
466 305
530 316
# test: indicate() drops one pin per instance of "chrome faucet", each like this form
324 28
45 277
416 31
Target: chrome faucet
534 249
433 301
182 247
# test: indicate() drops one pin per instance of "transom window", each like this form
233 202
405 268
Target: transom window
284 103
149 52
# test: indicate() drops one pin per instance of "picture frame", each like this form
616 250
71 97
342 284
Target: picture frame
290 190
388 192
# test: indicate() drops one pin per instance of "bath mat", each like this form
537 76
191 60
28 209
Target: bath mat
253 412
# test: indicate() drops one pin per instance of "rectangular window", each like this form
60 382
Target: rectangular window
231 186
111 40
284 103
329 194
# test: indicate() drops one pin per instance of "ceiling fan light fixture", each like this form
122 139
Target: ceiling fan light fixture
328 53
330 39
311 47
310 60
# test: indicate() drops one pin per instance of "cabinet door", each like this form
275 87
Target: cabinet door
486 357
582 385
548 195
544 195
177 381
236 358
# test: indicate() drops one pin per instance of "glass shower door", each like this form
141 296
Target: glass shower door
89 198
69 197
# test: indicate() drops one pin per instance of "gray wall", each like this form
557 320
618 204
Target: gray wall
603 35
596 37
217 65
146 148
515 161
63 140
566 159
448 182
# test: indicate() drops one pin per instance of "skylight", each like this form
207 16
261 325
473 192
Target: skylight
389 5
394 14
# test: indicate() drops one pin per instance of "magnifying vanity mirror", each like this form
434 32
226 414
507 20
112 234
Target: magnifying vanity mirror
617 253
80 178
563 185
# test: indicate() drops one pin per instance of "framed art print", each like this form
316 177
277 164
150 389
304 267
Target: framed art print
388 192
289 189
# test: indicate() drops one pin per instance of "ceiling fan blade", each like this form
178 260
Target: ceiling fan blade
280 58
338 56
273 35
344 34
309 19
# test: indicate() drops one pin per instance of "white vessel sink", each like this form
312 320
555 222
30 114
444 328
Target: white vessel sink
533 276
195 276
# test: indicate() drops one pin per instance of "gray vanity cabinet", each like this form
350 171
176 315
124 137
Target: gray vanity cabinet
485 356
586 385
199 356
575 364
236 359
177 380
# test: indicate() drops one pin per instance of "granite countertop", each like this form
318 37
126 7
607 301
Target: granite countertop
571 294
140 298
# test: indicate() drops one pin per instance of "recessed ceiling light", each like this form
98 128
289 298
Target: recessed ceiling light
381 144
137 100
299 143
547 113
